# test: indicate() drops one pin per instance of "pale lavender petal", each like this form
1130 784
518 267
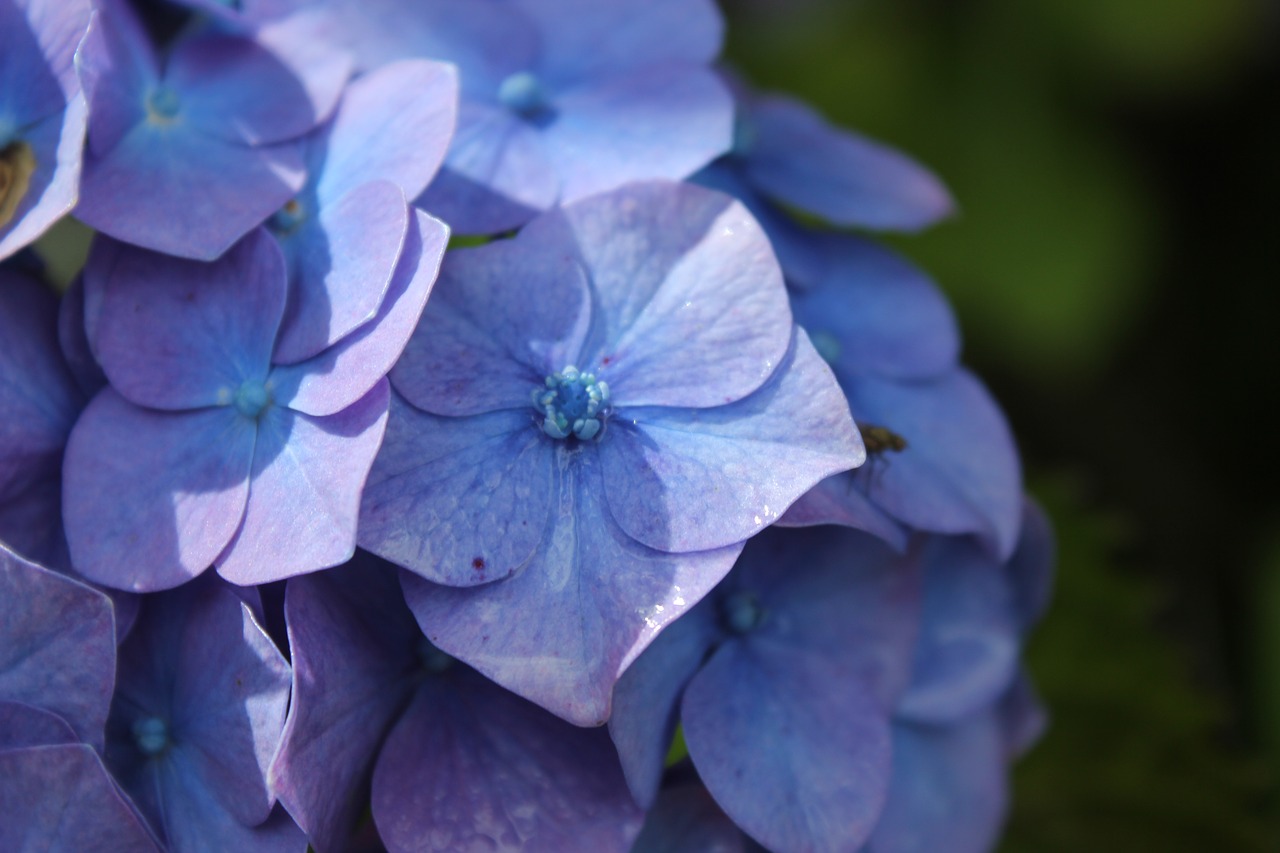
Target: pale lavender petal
57 646
485 342
583 39
203 194
304 496
341 265
352 641
118 67
56 143
461 501
393 124
309 41
61 798
646 699
684 285
23 725
949 789
471 207
40 41
959 472
471 766
600 598
838 500
798 756
691 479
342 374
658 122
685 819
179 334
967 654
797 158
151 498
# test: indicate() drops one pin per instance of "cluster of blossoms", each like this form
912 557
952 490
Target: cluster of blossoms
648 517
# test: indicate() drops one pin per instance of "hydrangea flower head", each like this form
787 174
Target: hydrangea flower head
561 99
610 402
202 449
42 116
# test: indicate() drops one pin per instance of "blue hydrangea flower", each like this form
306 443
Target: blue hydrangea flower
211 131
42 116
456 762
561 99
197 715
343 234
590 420
202 449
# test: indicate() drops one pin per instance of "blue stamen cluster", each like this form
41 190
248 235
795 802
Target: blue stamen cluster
572 404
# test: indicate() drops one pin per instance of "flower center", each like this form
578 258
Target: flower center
572 403
17 165
522 93
252 399
287 219
151 734
740 612
433 660
163 104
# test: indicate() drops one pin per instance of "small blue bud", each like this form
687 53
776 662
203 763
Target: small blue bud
740 612
574 403
252 399
287 219
522 93
151 734
163 104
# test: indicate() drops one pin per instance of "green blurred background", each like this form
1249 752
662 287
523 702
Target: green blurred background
1116 268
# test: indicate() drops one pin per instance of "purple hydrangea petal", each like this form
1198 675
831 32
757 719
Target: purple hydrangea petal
151 498
683 280
24 725
179 334
309 43
461 501
967 653
646 699
685 819
56 143
36 69
798 759
115 62
341 265
352 642
471 766
600 598
484 345
685 479
1023 716
201 212
57 646
304 497
959 472
582 40
949 789
393 124
657 122
836 500
61 798
198 661
1030 569
74 341
873 312
799 159
340 375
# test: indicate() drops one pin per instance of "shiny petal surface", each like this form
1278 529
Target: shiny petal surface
57 646
960 471
393 124
471 766
873 312
967 653
801 160
61 798
460 501
665 121
682 279
304 495
694 479
352 642
340 375
203 193
949 790
340 267
601 598
646 699
179 334
151 498
485 342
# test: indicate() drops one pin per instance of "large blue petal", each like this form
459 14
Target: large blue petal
836 500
